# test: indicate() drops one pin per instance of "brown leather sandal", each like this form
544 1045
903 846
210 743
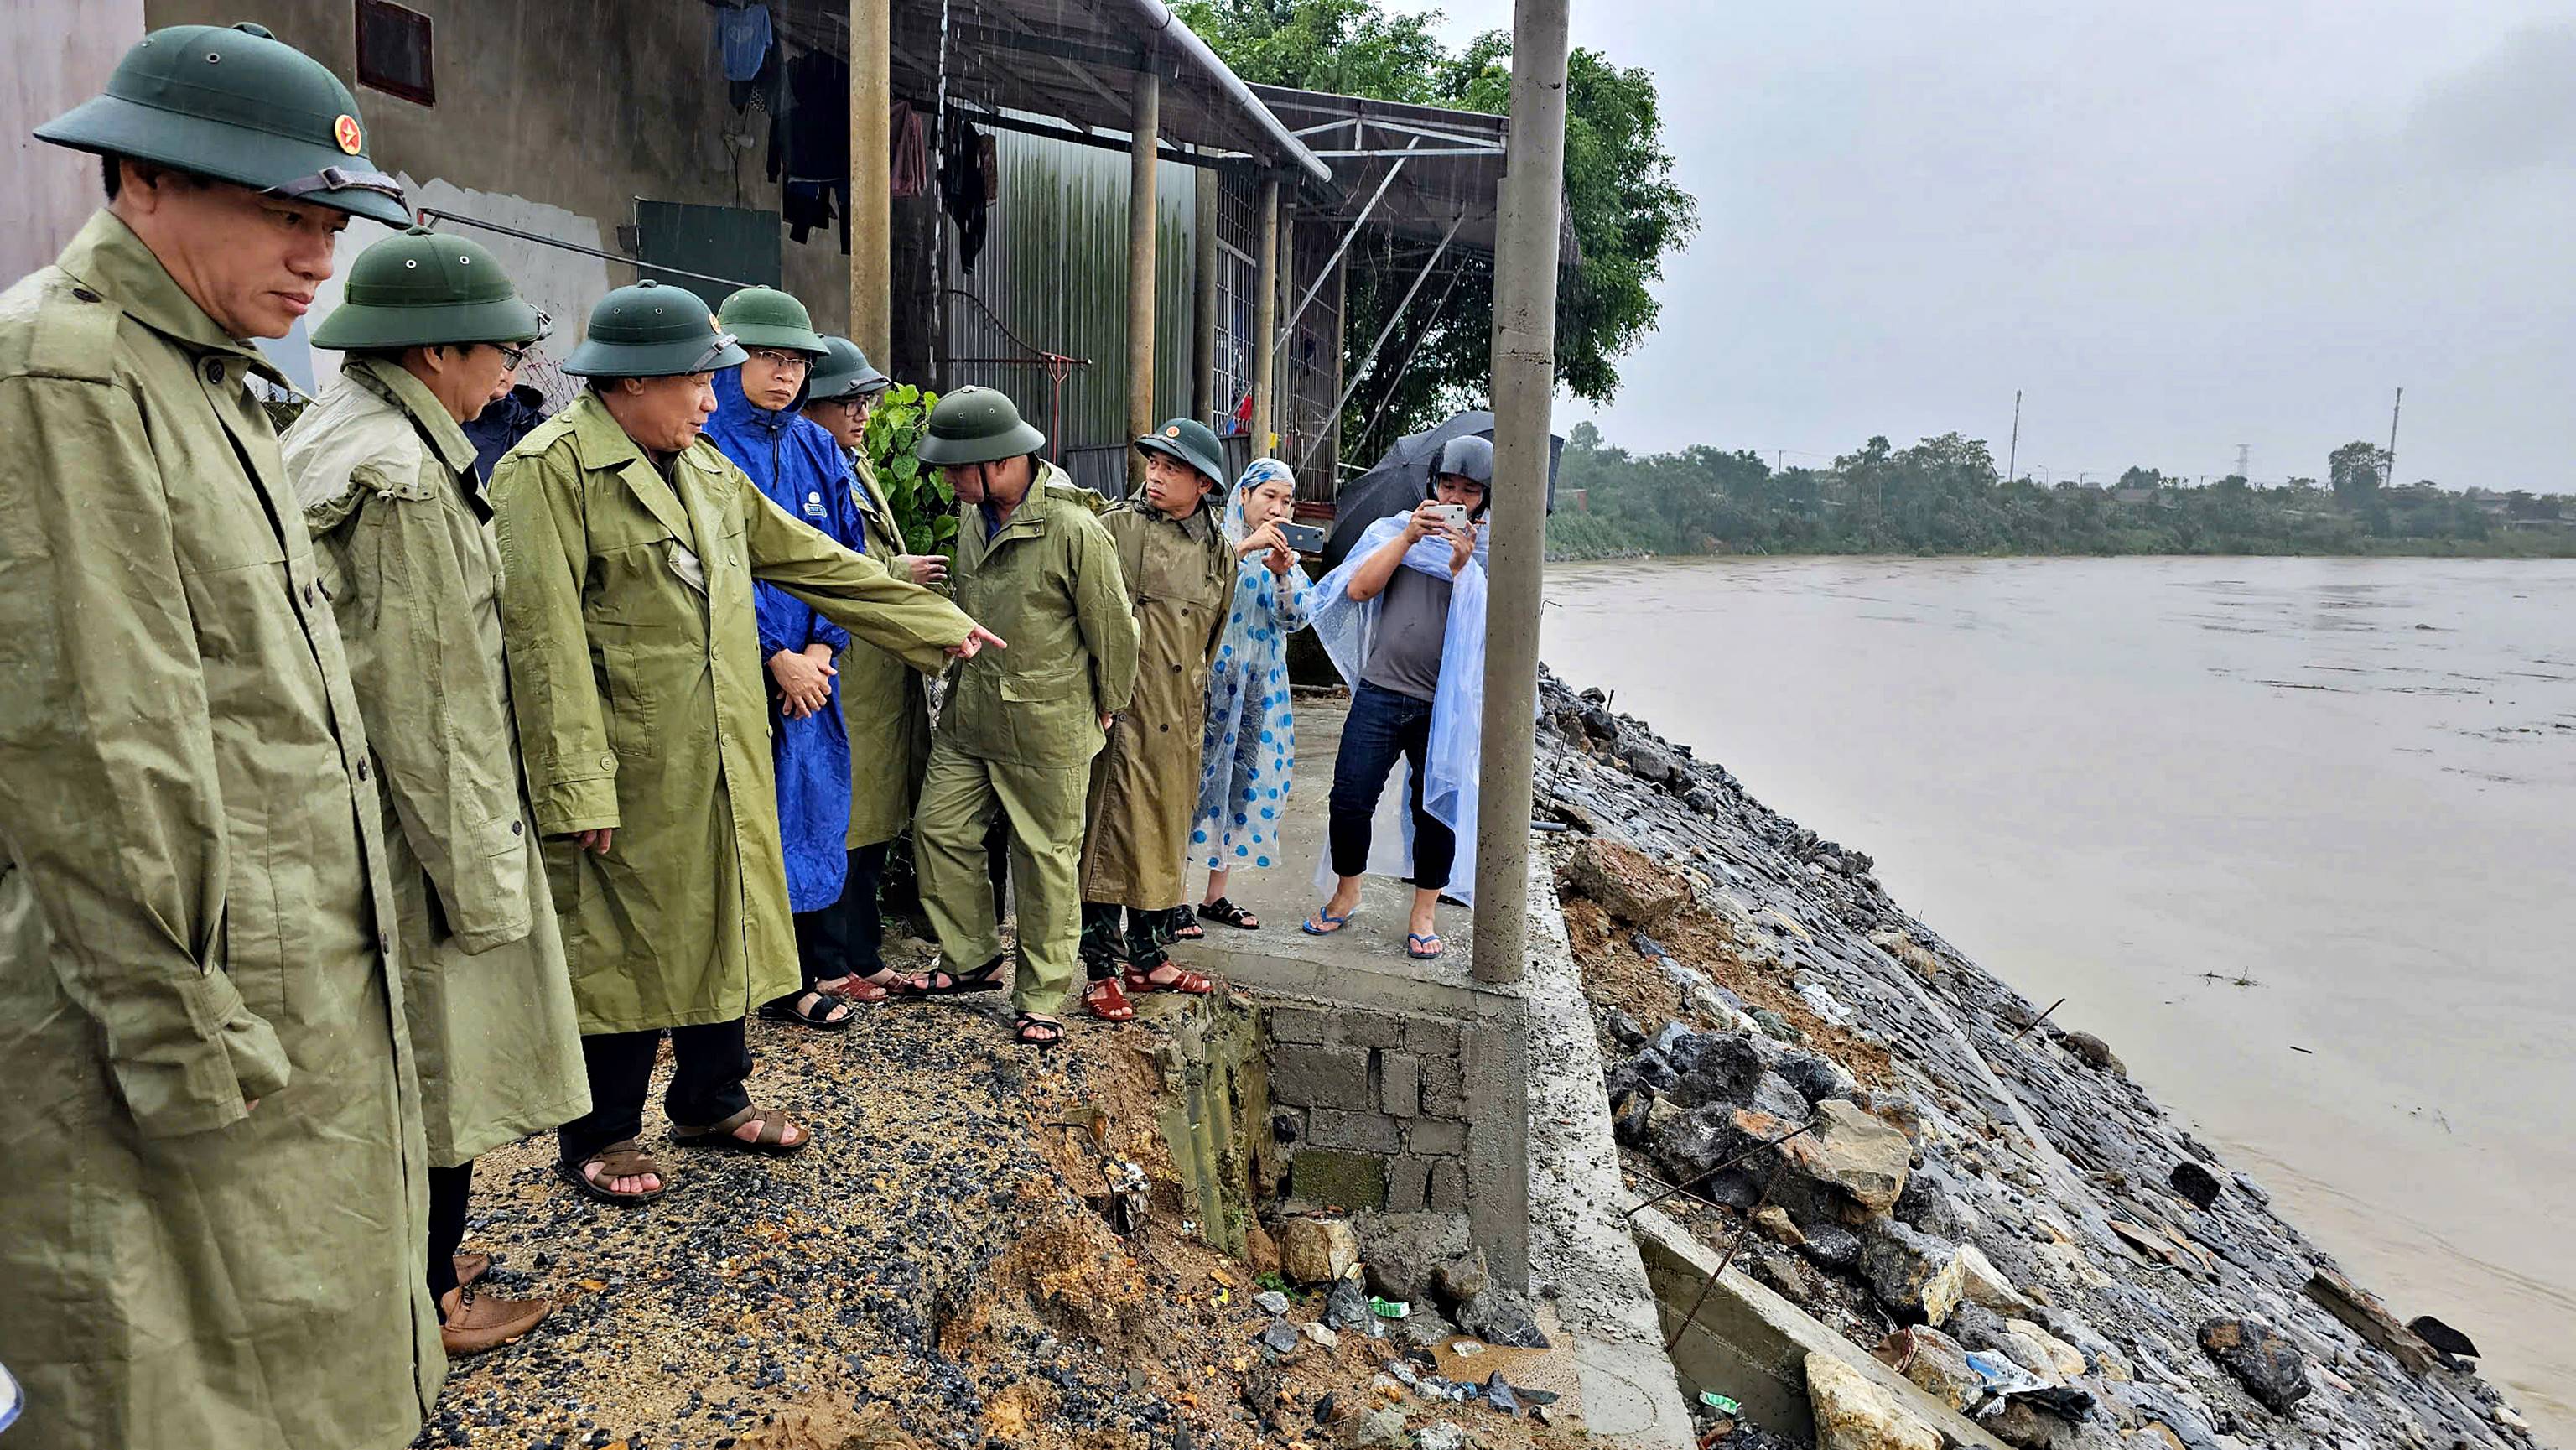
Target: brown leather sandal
1196 984
624 1158
1103 1000
771 1140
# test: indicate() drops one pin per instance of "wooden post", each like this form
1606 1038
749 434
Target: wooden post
1203 264
871 219
1265 325
1146 130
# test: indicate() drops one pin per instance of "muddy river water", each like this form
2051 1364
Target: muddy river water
2298 837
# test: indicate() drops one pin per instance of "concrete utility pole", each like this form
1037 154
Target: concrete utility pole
1265 321
2391 480
871 219
1146 128
2012 459
1525 256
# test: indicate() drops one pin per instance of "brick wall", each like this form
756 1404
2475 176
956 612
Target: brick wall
1372 1106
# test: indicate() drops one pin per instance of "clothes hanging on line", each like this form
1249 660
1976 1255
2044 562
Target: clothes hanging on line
908 169
966 185
743 39
811 141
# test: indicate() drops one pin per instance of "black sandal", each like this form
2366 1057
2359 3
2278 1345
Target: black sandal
940 983
792 1008
1177 925
1224 912
1027 1022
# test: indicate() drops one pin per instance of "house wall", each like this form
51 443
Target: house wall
553 117
58 56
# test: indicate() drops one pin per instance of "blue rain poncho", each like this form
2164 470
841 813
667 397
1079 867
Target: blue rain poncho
1346 629
802 470
1248 751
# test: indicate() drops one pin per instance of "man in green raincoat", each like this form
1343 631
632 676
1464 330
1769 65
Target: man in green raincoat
1180 578
1018 731
386 477
884 703
629 546
212 1200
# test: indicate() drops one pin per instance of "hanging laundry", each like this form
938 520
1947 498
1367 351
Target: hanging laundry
965 185
809 145
743 38
908 169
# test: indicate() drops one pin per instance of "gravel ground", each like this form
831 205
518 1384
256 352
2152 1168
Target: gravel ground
933 1271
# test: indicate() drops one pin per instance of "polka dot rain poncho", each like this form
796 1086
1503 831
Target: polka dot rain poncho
1248 754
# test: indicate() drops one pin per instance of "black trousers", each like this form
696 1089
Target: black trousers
710 1064
847 937
1383 725
449 1188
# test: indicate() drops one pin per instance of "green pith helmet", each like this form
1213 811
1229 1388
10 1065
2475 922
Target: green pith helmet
1193 443
652 331
844 372
975 425
239 105
423 289
767 317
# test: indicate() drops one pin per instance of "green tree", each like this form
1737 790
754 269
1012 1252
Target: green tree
2356 471
1624 210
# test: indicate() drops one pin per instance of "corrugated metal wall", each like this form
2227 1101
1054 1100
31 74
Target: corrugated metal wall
1052 274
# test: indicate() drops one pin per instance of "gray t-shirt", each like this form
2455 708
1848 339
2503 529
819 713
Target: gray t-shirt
1412 628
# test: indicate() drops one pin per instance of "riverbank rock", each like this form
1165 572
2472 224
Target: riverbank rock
1630 886
1854 1414
2362 1312
1502 1316
2094 1053
2270 1367
1935 1363
1404 1252
1317 1250
1855 1153
1917 1276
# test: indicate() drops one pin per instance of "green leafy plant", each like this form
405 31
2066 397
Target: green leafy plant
923 506
1273 1282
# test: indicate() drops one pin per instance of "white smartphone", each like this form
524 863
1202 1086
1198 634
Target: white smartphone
1453 515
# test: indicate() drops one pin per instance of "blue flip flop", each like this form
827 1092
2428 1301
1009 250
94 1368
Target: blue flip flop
1423 946
1332 924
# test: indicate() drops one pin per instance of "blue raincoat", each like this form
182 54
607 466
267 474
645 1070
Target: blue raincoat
802 470
1248 752
1346 626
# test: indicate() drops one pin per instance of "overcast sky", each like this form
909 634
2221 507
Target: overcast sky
2176 227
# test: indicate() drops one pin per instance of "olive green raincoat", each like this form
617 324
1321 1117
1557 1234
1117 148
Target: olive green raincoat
1018 732
1145 786
398 519
636 674
191 888
885 703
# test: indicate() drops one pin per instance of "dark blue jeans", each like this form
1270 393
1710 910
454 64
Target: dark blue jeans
1382 726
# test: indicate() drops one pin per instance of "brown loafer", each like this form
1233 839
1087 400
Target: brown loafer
470 1267
470 1323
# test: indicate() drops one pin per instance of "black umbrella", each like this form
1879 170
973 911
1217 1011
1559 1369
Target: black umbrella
1402 479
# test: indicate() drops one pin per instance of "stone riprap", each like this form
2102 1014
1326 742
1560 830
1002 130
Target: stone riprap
1996 1184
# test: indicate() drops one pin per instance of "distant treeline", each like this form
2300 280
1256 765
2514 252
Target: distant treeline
1946 496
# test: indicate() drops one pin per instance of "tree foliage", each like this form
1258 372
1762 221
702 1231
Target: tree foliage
923 506
1944 495
1625 213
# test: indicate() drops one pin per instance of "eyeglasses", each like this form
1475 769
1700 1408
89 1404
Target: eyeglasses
781 359
512 357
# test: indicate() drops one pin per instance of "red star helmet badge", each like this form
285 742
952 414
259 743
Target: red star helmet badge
345 131
1172 432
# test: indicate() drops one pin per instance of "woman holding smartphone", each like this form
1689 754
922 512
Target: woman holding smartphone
1404 621
1249 746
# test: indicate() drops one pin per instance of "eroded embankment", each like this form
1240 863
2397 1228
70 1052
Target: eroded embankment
1986 1197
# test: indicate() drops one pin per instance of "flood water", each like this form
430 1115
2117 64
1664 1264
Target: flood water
2297 837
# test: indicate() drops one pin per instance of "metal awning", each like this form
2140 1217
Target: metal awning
1425 167
1074 60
